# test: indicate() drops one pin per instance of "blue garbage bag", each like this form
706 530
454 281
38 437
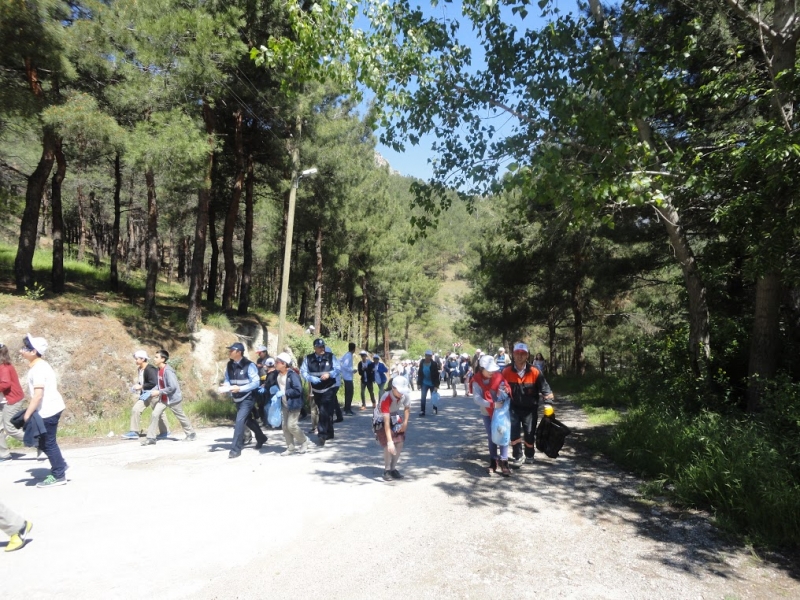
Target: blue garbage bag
501 425
274 416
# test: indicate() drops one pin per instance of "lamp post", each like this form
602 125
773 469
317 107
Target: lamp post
287 250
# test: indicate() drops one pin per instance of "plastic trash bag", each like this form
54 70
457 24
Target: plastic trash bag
435 397
274 416
501 425
550 436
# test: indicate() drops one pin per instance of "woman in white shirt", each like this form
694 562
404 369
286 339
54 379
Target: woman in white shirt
48 403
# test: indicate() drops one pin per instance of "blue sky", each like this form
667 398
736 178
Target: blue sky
415 160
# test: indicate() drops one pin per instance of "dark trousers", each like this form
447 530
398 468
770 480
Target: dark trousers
368 386
244 418
523 423
348 395
49 445
325 404
336 408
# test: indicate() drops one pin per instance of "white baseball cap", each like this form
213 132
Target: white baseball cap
141 354
270 362
284 358
37 343
401 384
487 362
261 348
501 349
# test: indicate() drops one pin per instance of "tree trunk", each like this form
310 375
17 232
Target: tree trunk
405 335
57 273
81 201
152 244
699 330
96 222
364 314
229 287
765 338
577 315
247 249
386 330
213 264
23 263
115 236
551 344
318 282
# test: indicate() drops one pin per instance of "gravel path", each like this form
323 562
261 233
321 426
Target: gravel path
181 520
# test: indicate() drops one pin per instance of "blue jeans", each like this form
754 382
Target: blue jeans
487 423
49 445
244 417
425 389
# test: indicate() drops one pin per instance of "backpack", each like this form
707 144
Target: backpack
550 436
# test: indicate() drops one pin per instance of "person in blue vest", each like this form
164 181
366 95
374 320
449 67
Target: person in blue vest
321 370
242 379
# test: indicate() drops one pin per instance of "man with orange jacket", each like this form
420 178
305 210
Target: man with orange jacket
527 383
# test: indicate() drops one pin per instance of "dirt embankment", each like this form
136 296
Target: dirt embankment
91 349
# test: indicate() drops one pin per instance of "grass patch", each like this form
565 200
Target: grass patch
732 464
218 320
211 410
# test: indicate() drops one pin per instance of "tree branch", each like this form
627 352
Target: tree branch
755 20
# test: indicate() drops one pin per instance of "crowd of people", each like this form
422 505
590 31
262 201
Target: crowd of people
277 392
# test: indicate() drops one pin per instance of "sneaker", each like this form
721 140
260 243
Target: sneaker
287 452
190 437
422 414
260 443
350 413
51 481
17 540
387 476
320 441
131 435
363 407
303 448
435 410
395 474
162 436
529 461
233 454
148 442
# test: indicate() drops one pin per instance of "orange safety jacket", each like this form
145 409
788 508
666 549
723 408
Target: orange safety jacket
525 390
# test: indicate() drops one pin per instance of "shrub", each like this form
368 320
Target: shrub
218 321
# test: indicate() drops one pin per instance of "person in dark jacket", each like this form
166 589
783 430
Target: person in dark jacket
366 370
321 370
526 384
241 380
290 393
428 379
146 380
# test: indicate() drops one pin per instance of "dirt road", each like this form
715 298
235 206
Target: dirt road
181 520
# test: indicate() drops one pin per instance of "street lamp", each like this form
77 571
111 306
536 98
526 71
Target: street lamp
287 251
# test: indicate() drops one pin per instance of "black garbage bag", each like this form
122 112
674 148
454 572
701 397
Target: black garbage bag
550 436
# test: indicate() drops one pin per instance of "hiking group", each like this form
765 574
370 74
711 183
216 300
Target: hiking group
278 393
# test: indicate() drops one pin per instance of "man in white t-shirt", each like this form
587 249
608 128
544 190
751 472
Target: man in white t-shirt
48 403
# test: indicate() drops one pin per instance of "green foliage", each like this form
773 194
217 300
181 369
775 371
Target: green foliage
735 465
35 292
301 345
218 320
